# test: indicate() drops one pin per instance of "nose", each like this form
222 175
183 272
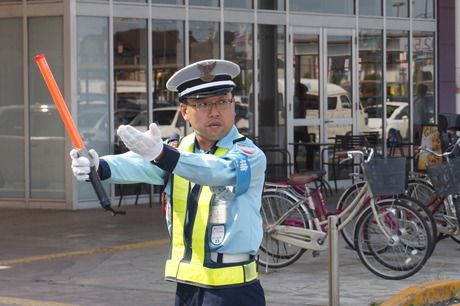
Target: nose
213 111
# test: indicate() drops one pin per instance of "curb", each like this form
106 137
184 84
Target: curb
426 294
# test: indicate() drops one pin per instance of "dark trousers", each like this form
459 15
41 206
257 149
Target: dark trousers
247 295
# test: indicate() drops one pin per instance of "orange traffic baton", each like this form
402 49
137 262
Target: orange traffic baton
73 132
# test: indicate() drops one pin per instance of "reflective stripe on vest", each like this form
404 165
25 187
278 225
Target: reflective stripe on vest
193 270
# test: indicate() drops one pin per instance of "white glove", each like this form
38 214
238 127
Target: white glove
149 144
81 164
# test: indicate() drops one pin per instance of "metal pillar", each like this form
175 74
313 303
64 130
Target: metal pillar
334 296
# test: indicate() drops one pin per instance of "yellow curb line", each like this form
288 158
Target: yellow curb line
426 294
124 247
27 302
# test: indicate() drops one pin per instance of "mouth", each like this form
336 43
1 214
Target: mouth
214 124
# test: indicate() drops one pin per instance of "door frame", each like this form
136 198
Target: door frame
322 33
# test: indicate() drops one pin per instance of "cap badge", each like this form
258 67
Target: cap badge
206 70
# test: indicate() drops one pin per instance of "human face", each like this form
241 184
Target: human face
212 124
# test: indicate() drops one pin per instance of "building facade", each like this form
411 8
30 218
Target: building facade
310 70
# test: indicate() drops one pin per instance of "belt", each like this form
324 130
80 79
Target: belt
229 258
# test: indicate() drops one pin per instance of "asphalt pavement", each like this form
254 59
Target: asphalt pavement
88 257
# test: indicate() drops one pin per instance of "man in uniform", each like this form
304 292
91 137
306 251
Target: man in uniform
213 191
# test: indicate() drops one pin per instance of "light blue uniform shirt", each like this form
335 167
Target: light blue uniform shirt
243 229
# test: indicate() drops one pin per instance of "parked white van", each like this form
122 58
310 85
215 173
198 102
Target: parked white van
168 119
339 104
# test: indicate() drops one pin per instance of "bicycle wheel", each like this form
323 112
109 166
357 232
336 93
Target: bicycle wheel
274 253
426 213
345 200
405 251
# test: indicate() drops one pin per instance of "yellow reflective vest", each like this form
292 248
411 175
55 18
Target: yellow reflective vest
189 260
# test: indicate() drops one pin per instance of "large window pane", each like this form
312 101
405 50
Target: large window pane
306 77
239 4
397 77
272 98
130 78
168 1
323 6
45 127
93 87
204 40
423 81
239 49
130 64
370 68
397 8
370 7
204 2
131 1
271 5
339 84
168 57
11 109
423 8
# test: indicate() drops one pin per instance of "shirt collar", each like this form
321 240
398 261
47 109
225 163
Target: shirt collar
227 141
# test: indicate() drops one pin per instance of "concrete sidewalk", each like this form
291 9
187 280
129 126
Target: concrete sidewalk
89 257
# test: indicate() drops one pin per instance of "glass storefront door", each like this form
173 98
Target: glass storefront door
323 102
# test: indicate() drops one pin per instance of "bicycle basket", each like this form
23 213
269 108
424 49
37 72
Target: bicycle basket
386 176
445 177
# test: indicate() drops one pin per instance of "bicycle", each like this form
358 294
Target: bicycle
442 187
392 239
417 195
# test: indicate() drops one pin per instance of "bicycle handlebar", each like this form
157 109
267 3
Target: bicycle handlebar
357 153
448 152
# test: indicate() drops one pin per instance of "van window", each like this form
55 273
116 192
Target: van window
164 117
312 102
345 102
331 103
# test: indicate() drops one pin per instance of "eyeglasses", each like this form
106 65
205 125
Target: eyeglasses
206 107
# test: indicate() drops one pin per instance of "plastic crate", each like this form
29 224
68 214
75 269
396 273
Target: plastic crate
386 176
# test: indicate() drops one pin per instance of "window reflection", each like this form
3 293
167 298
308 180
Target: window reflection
339 87
238 46
397 8
370 7
168 1
12 131
204 2
204 40
167 57
271 5
370 67
271 107
131 1
423 8
397 77
323 6
306 97
46 129
423 82
130 79
239 4
92 88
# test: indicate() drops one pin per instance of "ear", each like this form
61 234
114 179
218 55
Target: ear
183 111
